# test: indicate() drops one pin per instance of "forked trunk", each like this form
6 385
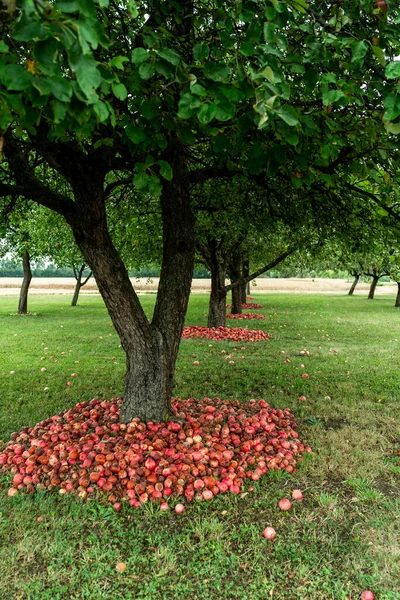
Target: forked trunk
397 303
23 295
79 283
217 305
372 288
353 286
151 349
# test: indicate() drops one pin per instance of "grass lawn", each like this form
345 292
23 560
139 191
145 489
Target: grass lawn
342 539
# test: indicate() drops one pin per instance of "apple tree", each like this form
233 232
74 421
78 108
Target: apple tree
171 95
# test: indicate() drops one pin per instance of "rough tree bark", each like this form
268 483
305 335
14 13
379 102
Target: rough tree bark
217 304
23 295
235 272
397 303
353 285
78 273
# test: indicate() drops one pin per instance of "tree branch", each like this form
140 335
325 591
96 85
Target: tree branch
268 267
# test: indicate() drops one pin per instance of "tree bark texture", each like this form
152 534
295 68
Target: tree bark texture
23 295
397 303
372 288
217 305
353 285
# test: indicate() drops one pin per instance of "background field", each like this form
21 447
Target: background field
344 536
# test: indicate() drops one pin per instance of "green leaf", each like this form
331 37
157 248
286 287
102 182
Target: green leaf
29 32
118 62
392 71
139 55
358 51
150 109
132 8
247 49
201 51
380 55
146 70
253 32
392 127
61 88
141 181
87 7
198 90
169 55
119 91
42 84
216 71
60 110
392 107
101 111
87 74
67 6
134 133
46 53
3 47
165 170
187 106
206 113
288 114
16 78
331 96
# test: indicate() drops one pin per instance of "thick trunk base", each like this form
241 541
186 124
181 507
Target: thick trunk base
237 300
217 310
148 383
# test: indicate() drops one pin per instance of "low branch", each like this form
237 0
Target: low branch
389 209
268 267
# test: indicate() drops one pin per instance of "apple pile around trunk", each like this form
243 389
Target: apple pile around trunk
245 316
248 305
232 334
219 446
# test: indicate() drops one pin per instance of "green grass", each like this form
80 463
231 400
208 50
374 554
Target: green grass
343 538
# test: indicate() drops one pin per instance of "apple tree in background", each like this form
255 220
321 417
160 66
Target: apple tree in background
170 95
16 241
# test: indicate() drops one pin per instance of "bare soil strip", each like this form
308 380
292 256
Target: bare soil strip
10 286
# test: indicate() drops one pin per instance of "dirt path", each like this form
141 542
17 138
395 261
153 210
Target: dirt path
9 286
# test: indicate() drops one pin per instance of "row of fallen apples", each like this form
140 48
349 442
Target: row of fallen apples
245 316
248 305
233 334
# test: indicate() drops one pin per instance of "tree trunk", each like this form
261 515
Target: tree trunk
23 295
397 303
150 349
353 287
79 283
235 272
245 287
217 305
237 300
372 288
